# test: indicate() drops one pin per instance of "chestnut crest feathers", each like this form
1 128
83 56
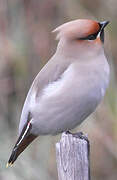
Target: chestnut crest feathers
77 29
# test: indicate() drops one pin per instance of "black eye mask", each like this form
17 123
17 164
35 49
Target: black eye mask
90 37
100 32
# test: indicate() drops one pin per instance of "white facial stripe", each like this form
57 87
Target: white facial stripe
98 36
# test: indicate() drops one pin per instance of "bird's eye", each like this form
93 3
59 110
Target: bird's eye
89 37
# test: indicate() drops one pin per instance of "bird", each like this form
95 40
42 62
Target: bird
69 87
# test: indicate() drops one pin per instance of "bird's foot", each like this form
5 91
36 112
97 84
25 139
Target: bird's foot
79 135
68 132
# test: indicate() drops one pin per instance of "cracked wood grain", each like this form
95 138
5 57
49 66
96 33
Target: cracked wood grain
72 155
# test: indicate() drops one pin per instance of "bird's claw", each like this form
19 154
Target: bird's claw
79 135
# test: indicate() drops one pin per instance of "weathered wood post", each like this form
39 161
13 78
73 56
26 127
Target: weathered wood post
72 155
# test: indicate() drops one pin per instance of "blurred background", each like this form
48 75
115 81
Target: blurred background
26 44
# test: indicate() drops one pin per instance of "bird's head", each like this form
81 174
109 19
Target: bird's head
82 32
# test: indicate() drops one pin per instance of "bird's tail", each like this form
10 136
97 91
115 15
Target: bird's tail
23 141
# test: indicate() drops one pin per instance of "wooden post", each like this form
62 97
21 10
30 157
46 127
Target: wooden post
72 155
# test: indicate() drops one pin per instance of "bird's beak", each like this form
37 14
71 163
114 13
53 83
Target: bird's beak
102 26
23 141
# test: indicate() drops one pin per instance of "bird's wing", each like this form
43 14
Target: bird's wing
51 72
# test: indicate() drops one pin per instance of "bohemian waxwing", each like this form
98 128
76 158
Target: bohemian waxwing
69 87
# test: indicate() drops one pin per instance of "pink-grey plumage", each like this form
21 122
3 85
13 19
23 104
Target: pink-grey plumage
69 87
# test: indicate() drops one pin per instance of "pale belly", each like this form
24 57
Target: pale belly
63 113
